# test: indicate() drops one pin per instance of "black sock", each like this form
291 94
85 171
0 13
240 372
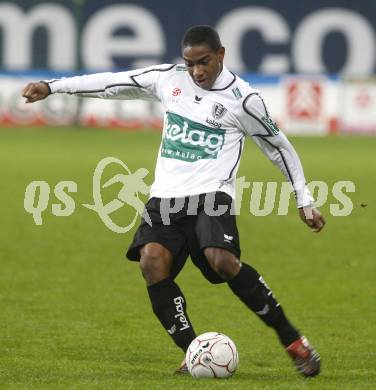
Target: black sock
169 306
250 287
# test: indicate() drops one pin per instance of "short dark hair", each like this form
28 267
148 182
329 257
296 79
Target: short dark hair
202 35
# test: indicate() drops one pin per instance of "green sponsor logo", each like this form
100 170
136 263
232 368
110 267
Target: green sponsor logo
237 93
270 124
190 141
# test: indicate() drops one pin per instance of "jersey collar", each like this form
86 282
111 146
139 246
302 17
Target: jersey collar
224 80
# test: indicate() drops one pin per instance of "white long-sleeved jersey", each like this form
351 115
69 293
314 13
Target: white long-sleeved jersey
204 130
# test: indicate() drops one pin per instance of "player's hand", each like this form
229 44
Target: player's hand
313 218
35 91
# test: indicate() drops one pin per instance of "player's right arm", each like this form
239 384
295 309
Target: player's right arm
136 84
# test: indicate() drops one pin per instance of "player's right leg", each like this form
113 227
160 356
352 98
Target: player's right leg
167 300
155 262
162 252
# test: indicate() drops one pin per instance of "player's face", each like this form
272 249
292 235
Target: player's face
203 64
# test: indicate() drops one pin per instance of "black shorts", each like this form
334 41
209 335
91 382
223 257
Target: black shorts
187 234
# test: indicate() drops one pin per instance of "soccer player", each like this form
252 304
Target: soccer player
209 112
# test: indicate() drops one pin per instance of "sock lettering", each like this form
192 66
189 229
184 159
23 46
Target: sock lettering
179 301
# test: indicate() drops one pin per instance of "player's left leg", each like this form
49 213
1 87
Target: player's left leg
218 239
249 286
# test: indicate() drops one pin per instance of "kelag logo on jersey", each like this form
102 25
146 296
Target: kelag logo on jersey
190 141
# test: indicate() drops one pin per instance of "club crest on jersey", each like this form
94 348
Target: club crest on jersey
218 110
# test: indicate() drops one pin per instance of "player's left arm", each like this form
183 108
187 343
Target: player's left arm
257 123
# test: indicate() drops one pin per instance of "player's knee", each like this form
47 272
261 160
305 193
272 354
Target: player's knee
155 262
223 262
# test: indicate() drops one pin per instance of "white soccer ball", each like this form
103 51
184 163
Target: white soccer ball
212 355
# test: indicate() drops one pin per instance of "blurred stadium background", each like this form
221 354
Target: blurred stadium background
314 63
73 313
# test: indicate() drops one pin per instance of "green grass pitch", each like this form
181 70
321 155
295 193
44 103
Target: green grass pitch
74 313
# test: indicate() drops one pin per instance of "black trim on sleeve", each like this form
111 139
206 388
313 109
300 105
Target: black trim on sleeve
263 103
48 86
136 84
270 134
151 70
265 137
106 87
281 154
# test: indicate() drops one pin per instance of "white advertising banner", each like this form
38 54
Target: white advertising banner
358 106
306 107
300 105
67 110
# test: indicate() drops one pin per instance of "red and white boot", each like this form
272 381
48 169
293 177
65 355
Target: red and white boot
304 357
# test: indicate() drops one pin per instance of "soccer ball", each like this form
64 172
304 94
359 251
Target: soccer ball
212 355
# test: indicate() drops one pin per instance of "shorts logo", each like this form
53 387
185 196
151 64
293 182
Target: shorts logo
190 141
218 110
228 238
